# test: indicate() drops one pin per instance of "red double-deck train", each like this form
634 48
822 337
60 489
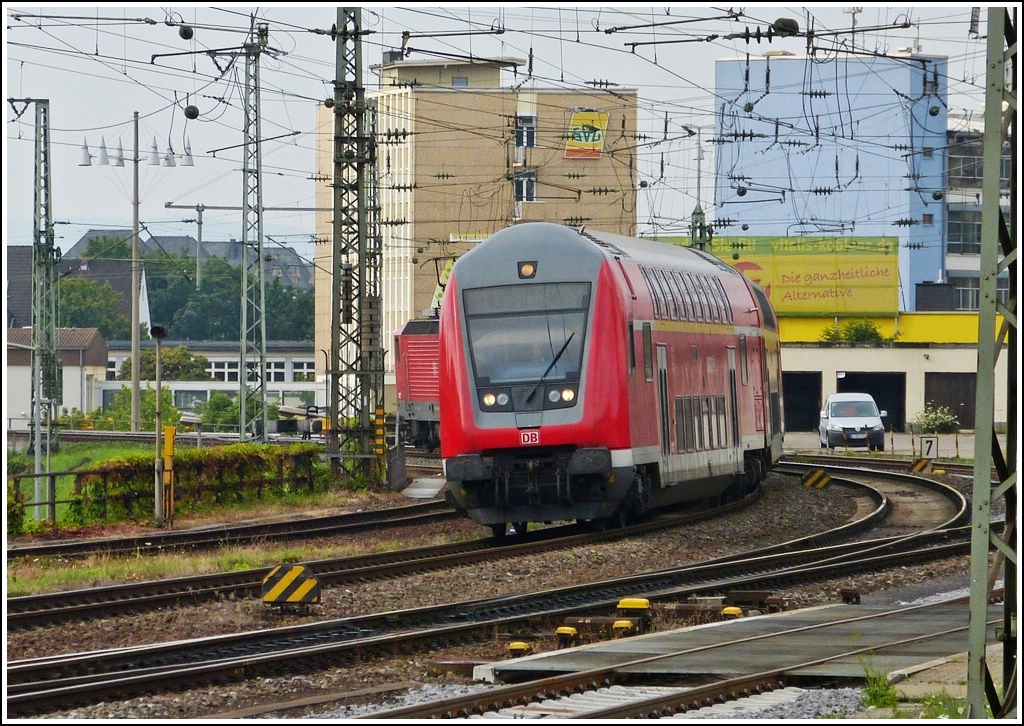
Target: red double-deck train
589 376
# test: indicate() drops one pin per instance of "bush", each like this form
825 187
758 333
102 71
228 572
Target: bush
15 510
854 331
935 420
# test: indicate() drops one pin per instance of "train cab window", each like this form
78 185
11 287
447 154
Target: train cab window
525 332
648 353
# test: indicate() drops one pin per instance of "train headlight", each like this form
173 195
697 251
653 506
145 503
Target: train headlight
553 396
568 395
494 400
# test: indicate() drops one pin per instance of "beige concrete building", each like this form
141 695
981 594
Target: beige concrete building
467 148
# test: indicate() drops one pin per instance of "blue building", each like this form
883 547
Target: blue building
837 151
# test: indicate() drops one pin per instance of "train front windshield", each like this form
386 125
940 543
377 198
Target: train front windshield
522 333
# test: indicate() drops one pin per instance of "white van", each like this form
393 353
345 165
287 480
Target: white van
851 419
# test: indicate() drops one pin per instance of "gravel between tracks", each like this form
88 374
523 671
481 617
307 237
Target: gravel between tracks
788 510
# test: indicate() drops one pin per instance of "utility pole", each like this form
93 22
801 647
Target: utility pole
356 371
136 279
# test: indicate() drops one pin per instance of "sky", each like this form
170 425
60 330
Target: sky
98 65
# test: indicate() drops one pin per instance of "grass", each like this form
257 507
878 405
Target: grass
880 694
46 575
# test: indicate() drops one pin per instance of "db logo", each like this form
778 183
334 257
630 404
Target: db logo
529 438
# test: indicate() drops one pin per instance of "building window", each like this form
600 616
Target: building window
963 231
526 130
460 81
275 371
526 186
303 371
223 370
969 288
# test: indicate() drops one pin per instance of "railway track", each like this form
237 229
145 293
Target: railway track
37 610
42 685
240 534
617 692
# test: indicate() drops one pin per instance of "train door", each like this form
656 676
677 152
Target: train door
734 423
663 399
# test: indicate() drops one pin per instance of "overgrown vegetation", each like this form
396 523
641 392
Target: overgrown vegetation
855 331
935 420
119 487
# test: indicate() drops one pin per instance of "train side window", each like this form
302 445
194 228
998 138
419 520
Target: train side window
695 301
713 304
722 422
652 288
714 435
698 423
724 299
670 295
630 348
648 353
687 438
673 293
680 424
685 307
744 368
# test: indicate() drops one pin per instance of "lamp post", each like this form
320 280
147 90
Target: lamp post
158 333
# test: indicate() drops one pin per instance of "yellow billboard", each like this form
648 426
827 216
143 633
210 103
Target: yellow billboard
819 275
586 135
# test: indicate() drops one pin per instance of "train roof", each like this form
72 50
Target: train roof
537 237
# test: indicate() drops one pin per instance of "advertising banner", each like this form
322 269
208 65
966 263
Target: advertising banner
819 275
586 135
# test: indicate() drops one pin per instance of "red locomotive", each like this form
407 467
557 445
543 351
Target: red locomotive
589 376
416 393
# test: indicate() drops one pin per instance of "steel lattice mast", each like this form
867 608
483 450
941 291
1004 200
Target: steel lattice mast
998 254
357 360
252 367
46 369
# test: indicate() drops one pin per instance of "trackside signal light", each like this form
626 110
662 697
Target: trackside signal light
527 269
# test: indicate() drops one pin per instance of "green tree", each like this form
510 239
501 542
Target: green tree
108 247
214 311
170 285
120 409
289 312
176 364
220 412
86 303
